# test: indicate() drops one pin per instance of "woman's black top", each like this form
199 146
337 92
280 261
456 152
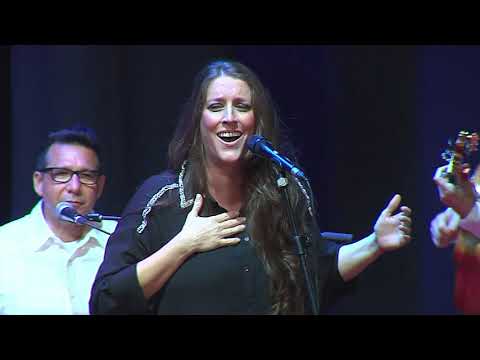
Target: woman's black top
227 280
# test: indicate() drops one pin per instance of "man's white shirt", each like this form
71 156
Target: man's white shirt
42 275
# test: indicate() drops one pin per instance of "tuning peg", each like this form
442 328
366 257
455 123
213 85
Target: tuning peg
447 155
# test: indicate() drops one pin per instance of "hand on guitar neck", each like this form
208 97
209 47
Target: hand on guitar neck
453 181
460 195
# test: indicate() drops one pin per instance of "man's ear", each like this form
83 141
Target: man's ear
38 179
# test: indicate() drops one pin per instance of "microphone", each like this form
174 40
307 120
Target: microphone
67 212
261 147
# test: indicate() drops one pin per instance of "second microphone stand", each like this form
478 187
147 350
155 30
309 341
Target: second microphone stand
282 183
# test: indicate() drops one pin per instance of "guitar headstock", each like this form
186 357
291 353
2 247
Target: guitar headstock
465 144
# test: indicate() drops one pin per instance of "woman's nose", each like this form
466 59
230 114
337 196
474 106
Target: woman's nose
228 116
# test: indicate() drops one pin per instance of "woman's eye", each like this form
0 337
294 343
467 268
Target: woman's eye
243 107
215 107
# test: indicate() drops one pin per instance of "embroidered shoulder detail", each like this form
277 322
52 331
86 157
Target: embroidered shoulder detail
181 190
152 202
183 204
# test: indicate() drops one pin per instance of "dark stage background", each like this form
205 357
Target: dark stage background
368 121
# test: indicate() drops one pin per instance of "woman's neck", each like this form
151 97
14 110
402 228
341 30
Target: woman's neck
227 186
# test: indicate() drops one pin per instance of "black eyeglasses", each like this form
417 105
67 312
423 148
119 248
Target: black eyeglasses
62 175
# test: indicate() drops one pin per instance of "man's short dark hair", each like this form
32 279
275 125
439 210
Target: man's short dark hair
75 136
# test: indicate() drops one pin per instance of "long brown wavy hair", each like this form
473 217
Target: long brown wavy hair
266 214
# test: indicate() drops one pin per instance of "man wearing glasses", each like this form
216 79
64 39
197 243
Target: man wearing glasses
47 265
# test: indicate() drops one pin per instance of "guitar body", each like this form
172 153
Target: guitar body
467 273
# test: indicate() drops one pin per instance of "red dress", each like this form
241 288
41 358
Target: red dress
467 273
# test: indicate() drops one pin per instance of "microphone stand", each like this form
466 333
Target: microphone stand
341 238
83 220
99 217
282 183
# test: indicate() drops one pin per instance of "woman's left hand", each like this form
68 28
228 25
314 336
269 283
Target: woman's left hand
393 231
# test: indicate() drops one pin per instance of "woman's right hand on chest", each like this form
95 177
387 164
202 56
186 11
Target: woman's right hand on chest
201 234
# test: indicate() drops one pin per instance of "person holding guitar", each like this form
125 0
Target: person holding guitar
459 224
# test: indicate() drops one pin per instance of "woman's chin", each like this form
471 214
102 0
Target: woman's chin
231 160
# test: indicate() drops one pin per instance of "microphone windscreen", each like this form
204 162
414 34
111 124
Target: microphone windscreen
252 141
66 211
61 206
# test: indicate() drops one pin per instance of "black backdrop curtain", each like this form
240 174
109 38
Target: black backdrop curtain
368 122
5 139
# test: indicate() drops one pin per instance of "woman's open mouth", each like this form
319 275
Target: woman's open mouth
229 136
